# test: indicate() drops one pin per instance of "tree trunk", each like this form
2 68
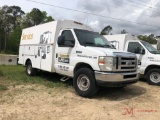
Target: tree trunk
5 38
0 44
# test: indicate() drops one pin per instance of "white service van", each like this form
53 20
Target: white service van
73 50
148 56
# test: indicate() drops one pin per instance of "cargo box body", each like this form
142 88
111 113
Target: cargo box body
38 43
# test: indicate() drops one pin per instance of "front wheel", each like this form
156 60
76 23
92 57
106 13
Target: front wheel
153 76
84 82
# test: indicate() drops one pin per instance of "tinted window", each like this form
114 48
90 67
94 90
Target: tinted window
89 38
150 48
69 39
133 47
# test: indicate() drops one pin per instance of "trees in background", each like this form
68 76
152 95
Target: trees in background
36 17
9 20
16 14
12 20
123 31
106 30
150 38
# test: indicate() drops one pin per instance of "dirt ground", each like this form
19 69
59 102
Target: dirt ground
37 102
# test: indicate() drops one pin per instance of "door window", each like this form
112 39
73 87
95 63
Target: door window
69 38
134 47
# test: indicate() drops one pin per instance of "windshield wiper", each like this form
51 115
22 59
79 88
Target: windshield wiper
155 52
87 43
96 45
106 46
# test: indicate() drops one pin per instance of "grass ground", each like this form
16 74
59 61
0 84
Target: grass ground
16 75
44 97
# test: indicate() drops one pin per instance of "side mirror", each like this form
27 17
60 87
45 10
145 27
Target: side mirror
73 42
142 51
61 40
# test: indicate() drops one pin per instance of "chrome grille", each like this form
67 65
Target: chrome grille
125 63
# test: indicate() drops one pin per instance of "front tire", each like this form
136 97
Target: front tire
30 71
153 76
84 82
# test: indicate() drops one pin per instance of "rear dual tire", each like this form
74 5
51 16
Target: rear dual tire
30 71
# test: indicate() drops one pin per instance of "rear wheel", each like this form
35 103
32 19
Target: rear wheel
153 76
30 71
84 82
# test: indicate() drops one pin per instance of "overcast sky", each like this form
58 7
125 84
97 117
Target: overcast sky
139 11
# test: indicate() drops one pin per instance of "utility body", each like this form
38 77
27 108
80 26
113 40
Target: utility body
73 50
148 56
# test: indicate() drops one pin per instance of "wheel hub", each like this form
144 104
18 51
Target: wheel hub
29 69
155 77
83 82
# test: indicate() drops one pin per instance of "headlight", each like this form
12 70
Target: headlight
106 63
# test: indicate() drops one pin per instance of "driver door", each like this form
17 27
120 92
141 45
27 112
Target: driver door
136 47
65 53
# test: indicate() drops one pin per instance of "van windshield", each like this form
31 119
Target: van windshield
150 48
89 38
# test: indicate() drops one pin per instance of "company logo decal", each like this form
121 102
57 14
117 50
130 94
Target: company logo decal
27 36
64 58
128 63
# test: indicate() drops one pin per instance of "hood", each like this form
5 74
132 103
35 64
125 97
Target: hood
112 52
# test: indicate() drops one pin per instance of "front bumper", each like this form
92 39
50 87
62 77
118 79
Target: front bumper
116 79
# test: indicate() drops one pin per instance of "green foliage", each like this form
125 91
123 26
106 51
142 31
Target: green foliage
123 31
17 75
106 30
14 40
2 87
36 17
16 15
9 20
46 18
12 21
150 39
1 73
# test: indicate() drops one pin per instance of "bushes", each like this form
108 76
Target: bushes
1 74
